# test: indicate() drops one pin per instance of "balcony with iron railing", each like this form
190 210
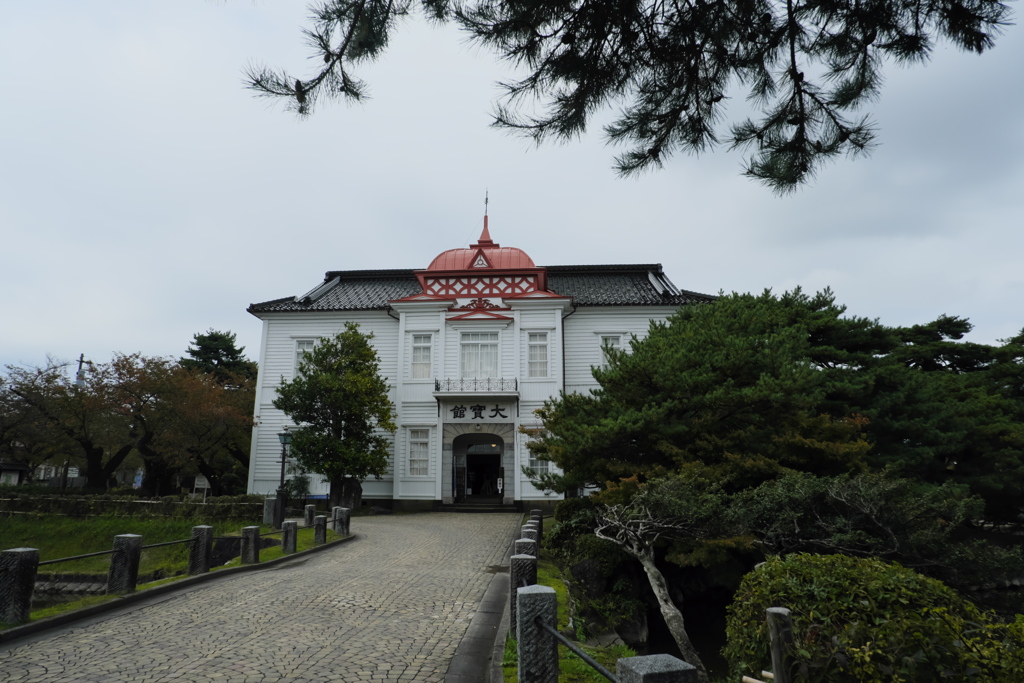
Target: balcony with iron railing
476 385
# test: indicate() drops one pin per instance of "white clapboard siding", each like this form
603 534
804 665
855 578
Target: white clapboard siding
278 359
583 332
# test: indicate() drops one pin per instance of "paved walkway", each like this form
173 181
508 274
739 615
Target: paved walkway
390 606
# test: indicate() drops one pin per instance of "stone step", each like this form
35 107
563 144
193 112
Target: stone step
477 507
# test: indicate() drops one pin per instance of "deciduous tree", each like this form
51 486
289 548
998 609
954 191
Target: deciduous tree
85 415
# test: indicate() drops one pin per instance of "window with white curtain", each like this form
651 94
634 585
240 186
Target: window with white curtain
421 356
537 354
419 452
479 355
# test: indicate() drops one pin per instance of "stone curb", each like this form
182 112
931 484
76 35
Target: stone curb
65 618
478 656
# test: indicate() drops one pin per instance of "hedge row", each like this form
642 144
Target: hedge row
223 507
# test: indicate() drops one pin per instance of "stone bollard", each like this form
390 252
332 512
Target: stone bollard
269 505
655 669
538 515
289 534
525 546
308 513
336 519
250 545
17 580
344 521
522 571
124 563
536 526
537 649
529 532
200 551
320 529
780 636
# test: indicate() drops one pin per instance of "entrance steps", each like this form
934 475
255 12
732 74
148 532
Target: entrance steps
490 504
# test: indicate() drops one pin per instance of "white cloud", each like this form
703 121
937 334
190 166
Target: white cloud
146 195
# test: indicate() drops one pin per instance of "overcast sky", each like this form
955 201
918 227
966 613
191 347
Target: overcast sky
145 195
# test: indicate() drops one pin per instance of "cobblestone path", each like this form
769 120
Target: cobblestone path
391 605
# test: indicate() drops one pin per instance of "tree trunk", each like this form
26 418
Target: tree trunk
212 477
673 617
346 492
158 473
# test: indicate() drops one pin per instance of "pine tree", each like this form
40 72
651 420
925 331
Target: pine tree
216 353
807 66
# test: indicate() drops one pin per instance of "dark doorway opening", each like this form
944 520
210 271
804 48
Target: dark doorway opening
479 475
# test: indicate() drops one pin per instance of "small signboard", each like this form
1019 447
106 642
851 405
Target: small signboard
479 411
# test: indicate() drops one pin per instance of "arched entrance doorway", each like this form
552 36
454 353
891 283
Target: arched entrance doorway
478 471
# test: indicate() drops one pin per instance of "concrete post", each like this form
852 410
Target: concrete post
780 634
308 513
124 563
269 505
17 580
336 519
289 536
529 532
344 521
655 669
522 571
537 649
320 529
250 545
200 552
538 516
525 546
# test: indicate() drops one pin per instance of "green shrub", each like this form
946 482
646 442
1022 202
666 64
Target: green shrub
866 620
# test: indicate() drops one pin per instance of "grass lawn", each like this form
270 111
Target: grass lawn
57 537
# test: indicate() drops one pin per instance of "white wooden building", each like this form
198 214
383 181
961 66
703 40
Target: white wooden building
471 346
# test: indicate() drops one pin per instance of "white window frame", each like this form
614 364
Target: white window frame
420 369
538 466
604 338
533 365
418 446
471 339
302 347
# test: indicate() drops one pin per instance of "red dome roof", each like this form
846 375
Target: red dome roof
497 256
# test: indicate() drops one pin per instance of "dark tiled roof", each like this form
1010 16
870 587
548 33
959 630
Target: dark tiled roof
605 285
619 285
352 290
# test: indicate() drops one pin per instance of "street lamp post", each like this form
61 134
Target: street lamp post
285 438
